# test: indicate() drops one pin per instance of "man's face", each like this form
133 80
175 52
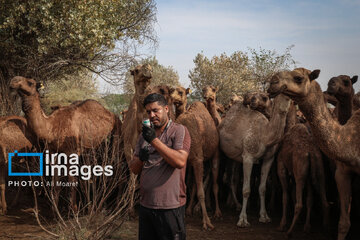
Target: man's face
158 114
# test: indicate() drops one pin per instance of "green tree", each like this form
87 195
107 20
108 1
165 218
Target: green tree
47 39
68 89
160 75
117 102
230 73
265 63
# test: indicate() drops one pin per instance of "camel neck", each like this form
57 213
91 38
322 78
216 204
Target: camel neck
211 107
34 114
180 109
345 107
275 128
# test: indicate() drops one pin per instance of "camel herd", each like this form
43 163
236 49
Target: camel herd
291 125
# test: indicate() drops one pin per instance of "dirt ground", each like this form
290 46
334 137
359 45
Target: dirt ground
20 225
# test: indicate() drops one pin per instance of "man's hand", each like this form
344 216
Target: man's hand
148 133
144 154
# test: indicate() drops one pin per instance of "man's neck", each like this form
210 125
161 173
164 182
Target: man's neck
160 130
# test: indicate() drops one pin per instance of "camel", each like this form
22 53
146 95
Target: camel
341 88
246 136
234 98
165 91
209 94
14 135
80 127
300 158
336 141
258 101
204 146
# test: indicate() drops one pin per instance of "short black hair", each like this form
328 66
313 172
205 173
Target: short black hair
155 97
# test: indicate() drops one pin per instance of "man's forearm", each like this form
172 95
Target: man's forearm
176 158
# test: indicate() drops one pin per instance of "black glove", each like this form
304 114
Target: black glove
144 154
148 133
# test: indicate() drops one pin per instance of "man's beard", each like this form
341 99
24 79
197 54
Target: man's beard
161 123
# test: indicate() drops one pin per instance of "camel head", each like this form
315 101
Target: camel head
234 99
163 90
257 100
209 92
25 86
142 75
179 95
295 84
341 86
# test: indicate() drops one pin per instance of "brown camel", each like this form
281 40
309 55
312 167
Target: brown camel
80 127
246 136
14 135
165 91
340 142
300 158
204 146
334 140
234 98
209 94
341 88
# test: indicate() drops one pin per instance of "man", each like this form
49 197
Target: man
160 157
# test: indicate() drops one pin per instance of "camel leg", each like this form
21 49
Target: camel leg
3 200
300 183
198 173
3 161
343 182
247 168
215 173
233 184
283 177
309 203
189 209
265 168
73 203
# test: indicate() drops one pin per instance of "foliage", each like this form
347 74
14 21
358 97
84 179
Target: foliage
160 75
69 89
265 63
117 102
238 73
230 73
49 38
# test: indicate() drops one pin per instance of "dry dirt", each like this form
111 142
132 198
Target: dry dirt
21 225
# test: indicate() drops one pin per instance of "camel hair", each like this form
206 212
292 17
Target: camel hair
76 128
209 94
14 135
247 136
336 141
233 99
341 87
300 158
204 146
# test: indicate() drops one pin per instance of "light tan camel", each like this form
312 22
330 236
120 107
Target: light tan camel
79 127
234 98
341 88
301 159
209 94
246 136
340 142
204 146
14 135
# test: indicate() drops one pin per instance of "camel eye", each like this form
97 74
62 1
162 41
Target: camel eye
180 93
30 84
346 83
264 99
298 79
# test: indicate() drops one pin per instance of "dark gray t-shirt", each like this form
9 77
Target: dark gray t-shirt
161 185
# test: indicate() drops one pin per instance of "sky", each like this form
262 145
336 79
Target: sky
325 34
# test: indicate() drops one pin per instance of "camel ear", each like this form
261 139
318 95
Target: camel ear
188 90
354 79
314 74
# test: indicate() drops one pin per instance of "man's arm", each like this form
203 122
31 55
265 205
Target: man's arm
176 158
136 165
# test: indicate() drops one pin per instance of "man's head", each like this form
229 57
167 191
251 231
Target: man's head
157 109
